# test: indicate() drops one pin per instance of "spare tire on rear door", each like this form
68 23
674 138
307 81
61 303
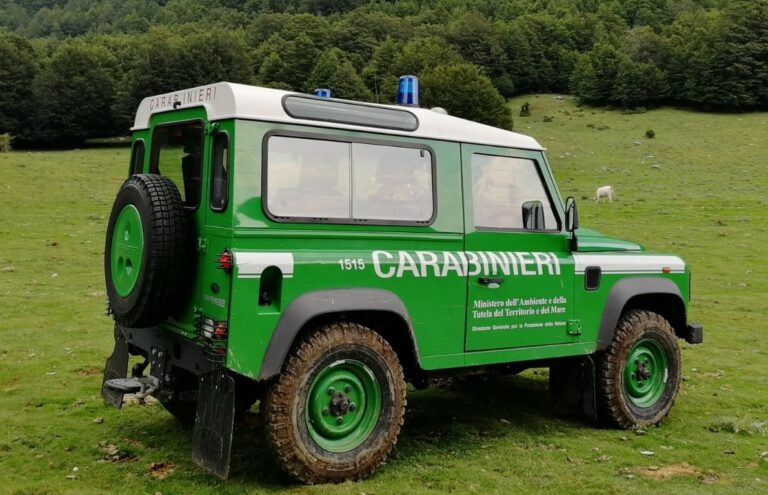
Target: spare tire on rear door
145 250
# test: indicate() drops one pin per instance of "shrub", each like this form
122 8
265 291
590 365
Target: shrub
650 134
5 142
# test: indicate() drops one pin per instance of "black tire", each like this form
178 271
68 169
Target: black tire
157 289
616 405
287 426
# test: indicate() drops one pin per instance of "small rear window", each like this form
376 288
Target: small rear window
137 157
342 112
177 153
220 172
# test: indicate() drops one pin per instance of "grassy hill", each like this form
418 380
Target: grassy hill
696 189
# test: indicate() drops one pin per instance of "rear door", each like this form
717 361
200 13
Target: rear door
178 151
520 275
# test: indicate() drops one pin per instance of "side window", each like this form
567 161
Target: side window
220 172
308 178
348 181
508 193
391 183
137 157
177 153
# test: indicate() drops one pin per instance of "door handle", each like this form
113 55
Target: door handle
491 282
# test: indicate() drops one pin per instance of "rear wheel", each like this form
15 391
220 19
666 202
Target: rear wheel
335 411
639 372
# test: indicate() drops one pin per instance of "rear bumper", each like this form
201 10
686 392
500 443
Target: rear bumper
181 352
694 333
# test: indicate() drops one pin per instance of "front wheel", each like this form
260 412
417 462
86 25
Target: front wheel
639 372
335 411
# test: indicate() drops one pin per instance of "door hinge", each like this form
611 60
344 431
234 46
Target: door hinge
574 327
211 128
202 245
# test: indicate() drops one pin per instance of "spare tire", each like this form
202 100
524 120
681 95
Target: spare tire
145 250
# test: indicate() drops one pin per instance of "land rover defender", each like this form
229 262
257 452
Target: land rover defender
316 254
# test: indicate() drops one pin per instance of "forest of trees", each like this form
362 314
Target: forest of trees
75 69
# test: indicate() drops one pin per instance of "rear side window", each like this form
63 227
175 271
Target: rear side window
346 182
177 153
220 172
137 157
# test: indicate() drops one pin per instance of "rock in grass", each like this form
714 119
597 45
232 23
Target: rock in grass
647 453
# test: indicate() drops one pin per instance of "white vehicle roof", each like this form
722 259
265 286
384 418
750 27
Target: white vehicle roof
238 101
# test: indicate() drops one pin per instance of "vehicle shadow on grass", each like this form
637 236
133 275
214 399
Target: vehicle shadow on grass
453 415
469 413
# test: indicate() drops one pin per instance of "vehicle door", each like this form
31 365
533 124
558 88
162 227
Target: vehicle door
179 152
520 273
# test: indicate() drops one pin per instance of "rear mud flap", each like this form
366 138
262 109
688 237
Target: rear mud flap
572 386
115 367
212 438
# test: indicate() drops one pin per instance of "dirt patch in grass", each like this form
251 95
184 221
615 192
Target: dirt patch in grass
113 453
161 470
89 371
665 472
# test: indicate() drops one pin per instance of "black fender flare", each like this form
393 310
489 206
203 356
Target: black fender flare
620 295
318 303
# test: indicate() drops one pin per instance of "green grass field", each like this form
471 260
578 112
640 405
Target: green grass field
697 189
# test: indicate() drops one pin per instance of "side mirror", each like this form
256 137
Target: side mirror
571 215
533 215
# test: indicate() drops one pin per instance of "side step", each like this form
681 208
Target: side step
115 367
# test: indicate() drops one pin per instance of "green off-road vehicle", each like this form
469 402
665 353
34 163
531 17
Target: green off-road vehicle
315 254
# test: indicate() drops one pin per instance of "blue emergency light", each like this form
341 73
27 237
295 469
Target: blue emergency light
408 91
323 92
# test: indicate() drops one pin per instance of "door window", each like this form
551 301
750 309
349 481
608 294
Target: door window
508 193
177 153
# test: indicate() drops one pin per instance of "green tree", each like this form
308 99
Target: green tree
18 66
596 73
481 41
729 64
422 53
465 92
380 75
335 72
73 94
639 84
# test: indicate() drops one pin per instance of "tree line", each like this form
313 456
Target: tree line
75 69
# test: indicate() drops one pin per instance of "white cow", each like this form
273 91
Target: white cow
604 192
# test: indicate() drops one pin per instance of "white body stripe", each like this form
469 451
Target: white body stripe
628 263
252 265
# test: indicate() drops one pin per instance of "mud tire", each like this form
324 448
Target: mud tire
286 427
615 406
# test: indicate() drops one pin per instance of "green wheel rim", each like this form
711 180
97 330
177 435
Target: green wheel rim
127 250
645 375
343 406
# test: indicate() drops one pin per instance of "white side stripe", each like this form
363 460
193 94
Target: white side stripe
252 265
632 263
